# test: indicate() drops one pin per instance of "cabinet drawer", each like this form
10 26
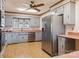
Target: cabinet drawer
23 33
8 37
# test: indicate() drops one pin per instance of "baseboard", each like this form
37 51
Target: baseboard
35 41
38 40
26 42
47 53
3 51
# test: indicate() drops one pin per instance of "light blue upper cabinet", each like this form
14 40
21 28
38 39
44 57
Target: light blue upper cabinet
15 23
2 2
2 9
9 37
35 22
69 13
8 21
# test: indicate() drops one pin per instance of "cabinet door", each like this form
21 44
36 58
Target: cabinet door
8 37
15 23
3 6
38 35
61 46
8 21
66 14
3 41
11 37
69 13
72 13
23 37
35 22
15 37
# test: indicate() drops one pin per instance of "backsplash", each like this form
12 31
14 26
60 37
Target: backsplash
69 28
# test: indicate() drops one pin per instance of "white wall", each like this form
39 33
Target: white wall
69 28
77 16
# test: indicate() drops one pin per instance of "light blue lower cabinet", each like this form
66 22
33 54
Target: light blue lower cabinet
8 37
23 37
16 37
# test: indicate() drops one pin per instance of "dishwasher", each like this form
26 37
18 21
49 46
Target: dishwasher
31 37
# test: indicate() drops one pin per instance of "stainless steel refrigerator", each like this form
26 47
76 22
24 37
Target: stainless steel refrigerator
52 27
0 31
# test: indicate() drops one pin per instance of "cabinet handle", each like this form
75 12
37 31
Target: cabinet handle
62 46
68 17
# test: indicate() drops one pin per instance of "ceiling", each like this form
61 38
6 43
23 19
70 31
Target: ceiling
11 5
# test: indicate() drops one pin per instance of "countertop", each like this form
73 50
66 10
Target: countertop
72 35
21 30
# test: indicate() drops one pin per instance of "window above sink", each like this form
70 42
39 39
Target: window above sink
21 22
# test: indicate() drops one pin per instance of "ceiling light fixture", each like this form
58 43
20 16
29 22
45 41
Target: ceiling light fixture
25 10
21 9
31 10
